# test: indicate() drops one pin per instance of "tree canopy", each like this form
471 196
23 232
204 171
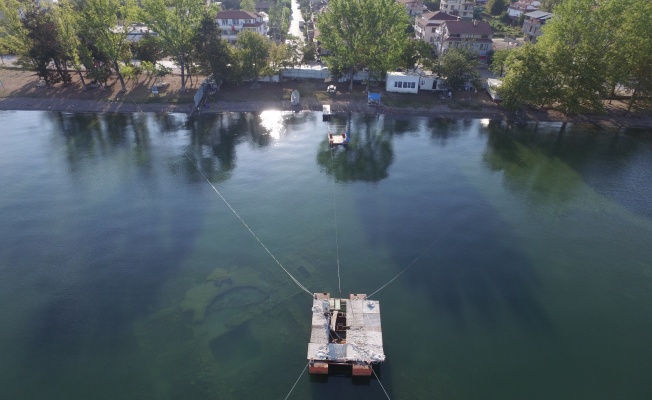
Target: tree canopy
363 33
459 67
176 22
587 50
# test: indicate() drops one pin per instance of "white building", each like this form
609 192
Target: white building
474 35
533 23
425 26
515 10
461 8
232 22
402 82
412 82
413 7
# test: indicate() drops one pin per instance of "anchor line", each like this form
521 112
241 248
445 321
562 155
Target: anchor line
249 229
414 261
337 243
297 381
381 385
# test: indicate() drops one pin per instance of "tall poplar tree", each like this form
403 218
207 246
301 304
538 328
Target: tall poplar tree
363 33
176 22
13 35
68 23
106 24
576 40
253 52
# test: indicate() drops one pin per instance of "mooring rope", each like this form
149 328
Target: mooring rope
337 243
380 383
249 229
414 261
297 381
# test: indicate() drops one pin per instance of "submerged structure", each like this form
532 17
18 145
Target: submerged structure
345 333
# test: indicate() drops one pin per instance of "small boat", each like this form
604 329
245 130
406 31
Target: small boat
338 139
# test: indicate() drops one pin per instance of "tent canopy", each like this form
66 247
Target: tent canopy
373 98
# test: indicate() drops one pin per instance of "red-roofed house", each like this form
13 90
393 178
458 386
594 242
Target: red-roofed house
232 22
475 35
425 26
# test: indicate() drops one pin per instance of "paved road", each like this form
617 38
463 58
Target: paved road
294 21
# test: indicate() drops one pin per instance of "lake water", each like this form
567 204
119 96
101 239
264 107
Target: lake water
125 275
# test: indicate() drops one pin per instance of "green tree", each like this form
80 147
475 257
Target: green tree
44 45
279 56
495 7
530 81
309 51
68 25
497 62
417 52
575 41
176 22
432 5
628 52
106 24
253 51
459 66
248 5
295 46
13 34
212 52
363 33
148 48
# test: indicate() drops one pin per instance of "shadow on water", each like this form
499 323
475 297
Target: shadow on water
120 254
473 271
443 130
367 158
552 161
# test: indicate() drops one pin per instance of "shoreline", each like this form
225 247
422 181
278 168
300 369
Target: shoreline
494 113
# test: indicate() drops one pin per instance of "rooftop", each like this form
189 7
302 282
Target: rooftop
471 27
346 330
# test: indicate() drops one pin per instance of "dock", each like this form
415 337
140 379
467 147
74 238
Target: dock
338 139
346 333
326 112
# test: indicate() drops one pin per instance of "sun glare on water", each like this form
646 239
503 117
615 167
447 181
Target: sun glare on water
272 121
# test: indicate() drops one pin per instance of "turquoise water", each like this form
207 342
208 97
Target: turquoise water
125 275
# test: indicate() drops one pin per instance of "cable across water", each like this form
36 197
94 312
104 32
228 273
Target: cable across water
249 229
297 381
414 261
381 385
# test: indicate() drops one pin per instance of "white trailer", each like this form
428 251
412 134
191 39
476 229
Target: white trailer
492 88
432 83
402 82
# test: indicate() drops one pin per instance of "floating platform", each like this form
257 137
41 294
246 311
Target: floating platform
326 112
338 139
345 333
